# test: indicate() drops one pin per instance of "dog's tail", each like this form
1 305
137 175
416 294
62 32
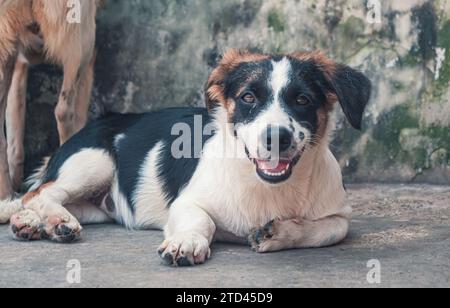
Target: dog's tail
34 181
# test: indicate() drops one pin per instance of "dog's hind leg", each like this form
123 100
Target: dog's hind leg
84 176
83 94
73 46
88 213
15 121
65 109
73 105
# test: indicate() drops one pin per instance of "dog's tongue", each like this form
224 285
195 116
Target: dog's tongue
272 166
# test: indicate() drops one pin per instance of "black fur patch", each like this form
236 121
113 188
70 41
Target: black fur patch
142 133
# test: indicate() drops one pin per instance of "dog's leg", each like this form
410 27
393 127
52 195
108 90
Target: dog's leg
6 72
82 177
88 213
189 233
297 233
65 109
84 93
15 121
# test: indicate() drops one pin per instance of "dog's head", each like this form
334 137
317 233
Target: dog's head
280 105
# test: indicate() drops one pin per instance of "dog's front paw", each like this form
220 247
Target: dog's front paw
185 250
63 228
27 226
274 236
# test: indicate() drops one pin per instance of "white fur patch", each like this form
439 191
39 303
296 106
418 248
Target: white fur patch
8 208
123 213
280 78
149 198
89 169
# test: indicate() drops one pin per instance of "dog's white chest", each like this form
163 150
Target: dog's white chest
231 193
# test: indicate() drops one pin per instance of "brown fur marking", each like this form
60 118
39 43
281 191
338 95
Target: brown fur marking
326 65
33 194
322 125
230 61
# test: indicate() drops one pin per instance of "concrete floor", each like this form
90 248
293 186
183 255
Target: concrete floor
405 228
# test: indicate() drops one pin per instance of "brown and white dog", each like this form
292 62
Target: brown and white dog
33 31
254 166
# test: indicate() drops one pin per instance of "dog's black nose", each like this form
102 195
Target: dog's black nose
278 135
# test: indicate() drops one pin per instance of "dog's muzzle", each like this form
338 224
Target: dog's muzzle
277 156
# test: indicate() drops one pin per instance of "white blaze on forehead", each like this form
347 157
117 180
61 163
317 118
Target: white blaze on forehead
280 77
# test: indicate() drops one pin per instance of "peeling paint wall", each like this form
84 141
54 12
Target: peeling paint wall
157 53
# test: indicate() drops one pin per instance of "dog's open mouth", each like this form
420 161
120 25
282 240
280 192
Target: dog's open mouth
276 171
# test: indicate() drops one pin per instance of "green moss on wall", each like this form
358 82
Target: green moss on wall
440 135
276 21
390 125
351 37
386 145
399 137
410 60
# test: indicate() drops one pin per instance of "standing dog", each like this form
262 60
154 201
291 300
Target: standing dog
32 31
264 158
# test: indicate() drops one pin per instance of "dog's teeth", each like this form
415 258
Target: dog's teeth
275 174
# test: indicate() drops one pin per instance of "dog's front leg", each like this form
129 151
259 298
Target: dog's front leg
189 233
299 233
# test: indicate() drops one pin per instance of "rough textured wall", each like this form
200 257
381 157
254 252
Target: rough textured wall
157 53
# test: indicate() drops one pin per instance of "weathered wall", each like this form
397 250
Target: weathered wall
156 53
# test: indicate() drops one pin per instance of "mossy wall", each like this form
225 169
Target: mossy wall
158 53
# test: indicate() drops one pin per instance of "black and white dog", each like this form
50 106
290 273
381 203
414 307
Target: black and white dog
262 170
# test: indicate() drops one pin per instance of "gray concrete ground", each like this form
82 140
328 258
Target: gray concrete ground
406 228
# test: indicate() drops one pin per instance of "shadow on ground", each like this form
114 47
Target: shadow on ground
406 228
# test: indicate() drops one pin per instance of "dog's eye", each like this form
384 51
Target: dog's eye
249 98
302 100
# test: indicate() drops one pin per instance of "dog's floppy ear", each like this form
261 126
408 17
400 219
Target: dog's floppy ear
215 87
350 87
353 91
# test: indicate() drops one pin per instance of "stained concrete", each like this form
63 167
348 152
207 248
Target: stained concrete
406 228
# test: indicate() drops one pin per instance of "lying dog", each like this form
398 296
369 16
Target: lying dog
125 167
33 31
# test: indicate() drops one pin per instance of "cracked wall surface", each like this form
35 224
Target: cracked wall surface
158 53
